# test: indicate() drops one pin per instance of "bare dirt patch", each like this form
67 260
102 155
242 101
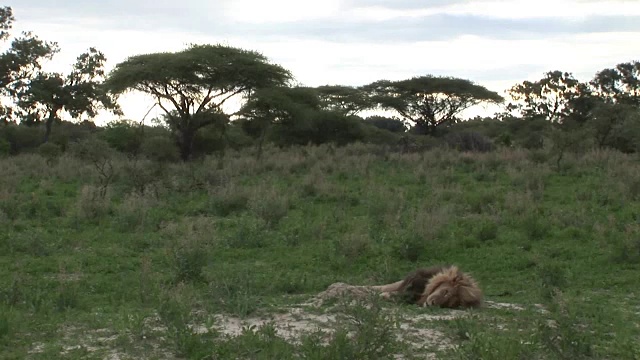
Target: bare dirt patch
421 331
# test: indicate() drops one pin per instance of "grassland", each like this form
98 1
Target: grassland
109 257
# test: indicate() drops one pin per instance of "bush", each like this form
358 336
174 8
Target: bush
318 127
333 127
21 138
160 148
208 140
375 135
469 141
385 123
124 136
5 147
65 132
50 151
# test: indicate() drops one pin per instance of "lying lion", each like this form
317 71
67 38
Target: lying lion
444 286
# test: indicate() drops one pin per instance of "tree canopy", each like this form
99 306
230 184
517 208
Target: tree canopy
80 92
429 101
195 82
280 104
19 63
554 97
620 84
347 100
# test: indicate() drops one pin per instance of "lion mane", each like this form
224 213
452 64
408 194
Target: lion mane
443 286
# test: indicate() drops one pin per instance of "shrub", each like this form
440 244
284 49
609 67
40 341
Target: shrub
5 147
124 136
390 124
469 141
160 148
50 151
100 155
21 138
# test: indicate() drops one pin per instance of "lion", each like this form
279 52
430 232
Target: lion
443 286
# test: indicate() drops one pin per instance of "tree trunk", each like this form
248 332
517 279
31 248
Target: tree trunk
186 144
49 123
260 142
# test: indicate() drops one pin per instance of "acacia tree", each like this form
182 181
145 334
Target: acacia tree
429 101
19 63
80 92
191 86
346 100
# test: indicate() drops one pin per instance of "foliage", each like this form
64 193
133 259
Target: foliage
160 148
391 124
124 135
20 63
616 126
278 105
551 97
346 100
318 127
620 84
429 101
80 92
192 85
469 141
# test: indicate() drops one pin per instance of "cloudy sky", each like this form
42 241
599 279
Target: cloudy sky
353 42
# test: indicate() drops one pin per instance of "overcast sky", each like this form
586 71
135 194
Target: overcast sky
353 42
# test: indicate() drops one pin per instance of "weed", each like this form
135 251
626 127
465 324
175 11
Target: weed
534 227
552 279
487 230
188 259
234 293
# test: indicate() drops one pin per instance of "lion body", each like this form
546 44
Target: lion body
443 286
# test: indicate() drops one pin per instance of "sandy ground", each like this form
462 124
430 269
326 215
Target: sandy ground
292 322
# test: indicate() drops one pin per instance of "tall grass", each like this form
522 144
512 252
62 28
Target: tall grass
243 237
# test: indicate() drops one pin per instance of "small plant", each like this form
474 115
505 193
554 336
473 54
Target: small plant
67 296
534 227
487 230
552 279
188 261
366 331
565 335
176 316
234 293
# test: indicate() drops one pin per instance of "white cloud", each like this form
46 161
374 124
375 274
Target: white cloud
507 9
495 63
281 11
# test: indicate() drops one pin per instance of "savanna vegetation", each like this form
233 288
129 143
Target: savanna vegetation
135 240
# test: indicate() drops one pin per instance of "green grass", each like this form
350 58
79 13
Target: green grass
84 275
